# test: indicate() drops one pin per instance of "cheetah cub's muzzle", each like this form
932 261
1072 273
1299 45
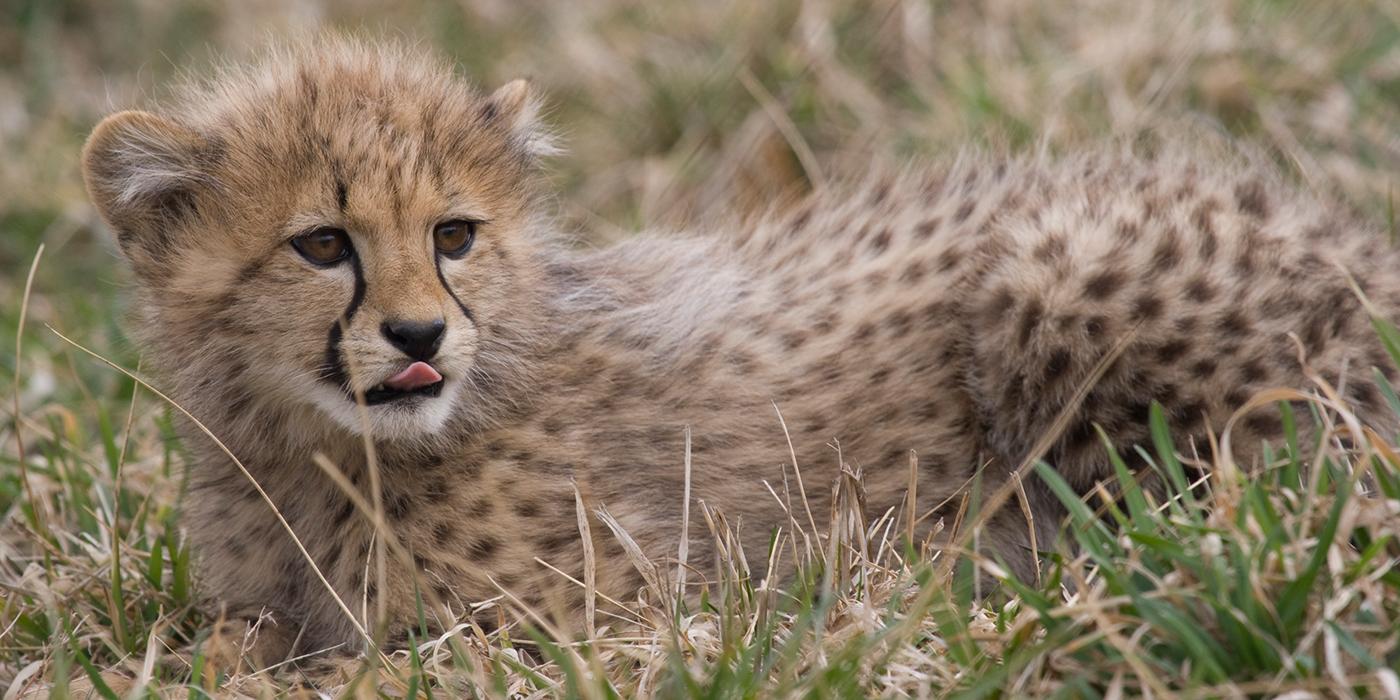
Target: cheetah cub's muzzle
419 341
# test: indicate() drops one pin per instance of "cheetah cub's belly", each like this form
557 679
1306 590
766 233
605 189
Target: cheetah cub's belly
347 271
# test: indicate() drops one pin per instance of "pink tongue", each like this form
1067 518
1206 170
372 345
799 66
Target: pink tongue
417 376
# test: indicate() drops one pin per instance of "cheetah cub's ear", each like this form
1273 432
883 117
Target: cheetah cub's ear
517 109
145 174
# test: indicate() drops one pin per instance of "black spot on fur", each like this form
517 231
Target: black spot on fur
1251 199
793 340
900 323
1200 290
1030 320
1172 350
1203 218
1253 372
332 557
526 508
397 505
881 242
913 272
556 542
1204 368
1078 436
1367 395
443 532
1051 248
1147 307
1244 260
1233 323
799 221
1167 254
1315 334
926 228
1057 363
481 508
342 517
1264 423
483 548
1102 285
949 259
1128 231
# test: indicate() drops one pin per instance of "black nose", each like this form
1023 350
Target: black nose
419 340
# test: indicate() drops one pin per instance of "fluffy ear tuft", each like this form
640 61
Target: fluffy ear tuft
143 173
517 108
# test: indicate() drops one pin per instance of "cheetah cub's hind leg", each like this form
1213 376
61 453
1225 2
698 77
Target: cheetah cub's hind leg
1211 283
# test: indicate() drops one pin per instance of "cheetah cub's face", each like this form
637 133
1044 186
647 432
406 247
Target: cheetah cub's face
347 231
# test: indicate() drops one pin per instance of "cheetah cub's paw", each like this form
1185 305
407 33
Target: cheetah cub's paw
246 645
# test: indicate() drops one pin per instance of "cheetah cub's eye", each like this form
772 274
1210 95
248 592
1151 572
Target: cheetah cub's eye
323 246
454 238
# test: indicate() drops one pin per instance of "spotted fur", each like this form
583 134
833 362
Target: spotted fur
948 310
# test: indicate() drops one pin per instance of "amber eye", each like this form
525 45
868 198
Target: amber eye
323 246
454 238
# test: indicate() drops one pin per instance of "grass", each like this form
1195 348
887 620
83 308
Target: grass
1260 580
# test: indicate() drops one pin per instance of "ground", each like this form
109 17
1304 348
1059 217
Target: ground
670 111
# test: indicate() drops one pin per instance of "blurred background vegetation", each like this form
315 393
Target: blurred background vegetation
669 110
673 108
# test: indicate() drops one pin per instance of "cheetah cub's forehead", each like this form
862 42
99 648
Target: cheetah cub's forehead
314 127
345 210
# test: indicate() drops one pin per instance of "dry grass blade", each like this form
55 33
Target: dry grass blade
797 471
590 566
19 354
634 552
683 549
376 485
1031 540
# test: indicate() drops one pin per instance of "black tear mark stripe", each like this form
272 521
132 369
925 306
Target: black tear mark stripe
334 371
437 264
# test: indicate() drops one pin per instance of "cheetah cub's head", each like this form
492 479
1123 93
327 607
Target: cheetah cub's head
344 224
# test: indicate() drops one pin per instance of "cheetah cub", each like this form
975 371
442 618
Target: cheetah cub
344 261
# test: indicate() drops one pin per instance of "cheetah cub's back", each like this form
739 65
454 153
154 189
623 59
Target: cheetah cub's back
347 246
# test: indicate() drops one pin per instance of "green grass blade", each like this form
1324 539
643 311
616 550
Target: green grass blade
1138 510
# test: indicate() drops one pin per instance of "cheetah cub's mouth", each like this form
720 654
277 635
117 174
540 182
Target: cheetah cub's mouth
418 379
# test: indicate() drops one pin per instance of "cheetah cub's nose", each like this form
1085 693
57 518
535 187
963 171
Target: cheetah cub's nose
419 340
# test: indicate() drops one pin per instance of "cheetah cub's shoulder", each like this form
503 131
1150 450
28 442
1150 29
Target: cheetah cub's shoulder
347 247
